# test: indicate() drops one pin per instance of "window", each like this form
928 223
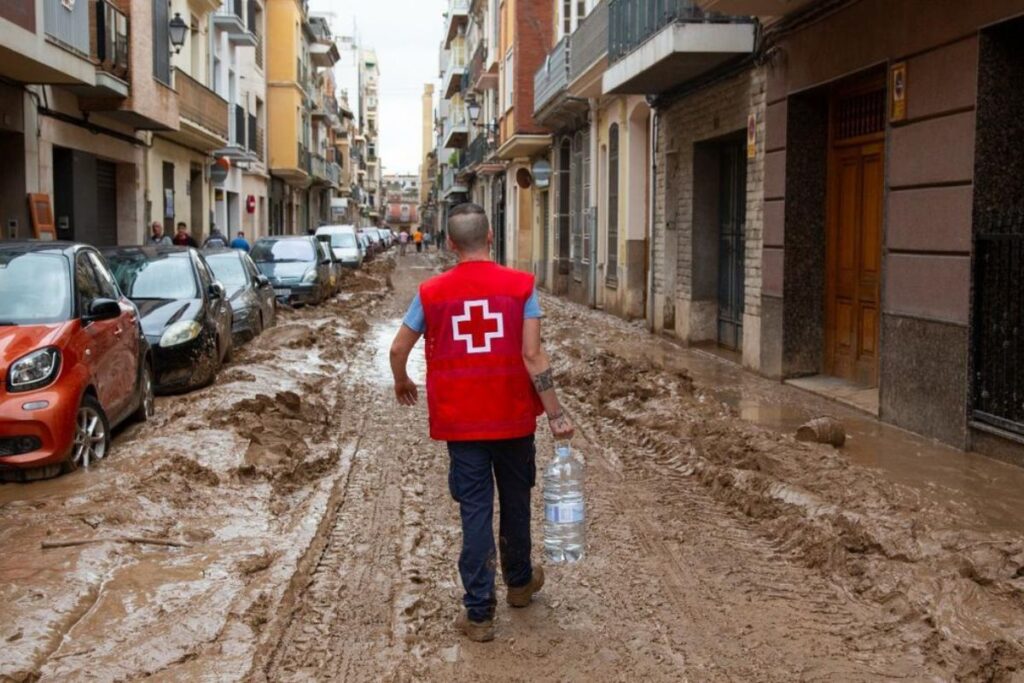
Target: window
161 42
509 81
566 17
612 271
564 194
576 193
571 13
108 288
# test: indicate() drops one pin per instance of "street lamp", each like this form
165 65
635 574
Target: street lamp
178 29
473 107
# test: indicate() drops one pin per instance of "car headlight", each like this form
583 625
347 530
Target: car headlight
34 370
180 332
310 277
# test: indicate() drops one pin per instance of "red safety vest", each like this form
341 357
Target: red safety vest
477 384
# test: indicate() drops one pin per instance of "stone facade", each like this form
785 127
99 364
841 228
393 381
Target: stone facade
712 113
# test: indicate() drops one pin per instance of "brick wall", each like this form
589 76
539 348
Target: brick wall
708 114
533 40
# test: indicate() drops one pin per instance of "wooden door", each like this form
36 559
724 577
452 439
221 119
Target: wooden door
854 240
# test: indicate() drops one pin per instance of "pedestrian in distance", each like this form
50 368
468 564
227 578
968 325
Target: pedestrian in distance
417 237
157 236
403 240
216 239
488 379
428 239
240 242
182 238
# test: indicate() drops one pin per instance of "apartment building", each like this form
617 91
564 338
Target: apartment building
403 199
78 86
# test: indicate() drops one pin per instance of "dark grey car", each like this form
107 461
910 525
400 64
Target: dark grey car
249 291
295 267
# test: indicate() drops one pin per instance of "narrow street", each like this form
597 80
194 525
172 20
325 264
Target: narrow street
318 541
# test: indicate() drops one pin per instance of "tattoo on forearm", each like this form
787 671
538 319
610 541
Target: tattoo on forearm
543 381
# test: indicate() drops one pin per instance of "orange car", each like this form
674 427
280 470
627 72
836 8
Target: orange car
73 358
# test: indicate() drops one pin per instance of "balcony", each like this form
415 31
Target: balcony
479 151
752 8
589 57
456 73
452 182
109 42
458 17
481 78
552 105
237 134
656 45
295 170
203 113
230 18
318 168
255 138
456 129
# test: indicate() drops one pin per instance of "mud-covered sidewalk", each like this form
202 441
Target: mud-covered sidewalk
314 538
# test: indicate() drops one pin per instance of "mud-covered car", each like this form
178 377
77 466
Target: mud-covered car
73 358
185 312
253 304
296 268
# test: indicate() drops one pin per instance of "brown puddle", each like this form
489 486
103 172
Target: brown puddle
985 489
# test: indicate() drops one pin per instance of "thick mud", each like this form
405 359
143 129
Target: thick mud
317 540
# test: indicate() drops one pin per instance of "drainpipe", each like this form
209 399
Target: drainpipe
591 214
651 190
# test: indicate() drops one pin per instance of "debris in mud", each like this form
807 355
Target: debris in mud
256 563
826 430
235 375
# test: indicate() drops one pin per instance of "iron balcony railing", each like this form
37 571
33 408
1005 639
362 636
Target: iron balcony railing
250 16
199 104
111 50
476 63
67 23
302 158
259 50
552 78
318 165
589 41
478 151
632 22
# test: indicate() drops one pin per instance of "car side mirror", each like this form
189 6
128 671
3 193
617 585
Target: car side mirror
262 280
217 291
325 262
102 309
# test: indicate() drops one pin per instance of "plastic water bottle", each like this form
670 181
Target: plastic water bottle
563 506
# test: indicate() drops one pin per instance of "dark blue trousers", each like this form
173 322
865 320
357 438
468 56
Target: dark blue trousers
475 466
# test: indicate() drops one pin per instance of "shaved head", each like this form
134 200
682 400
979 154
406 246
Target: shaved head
467 227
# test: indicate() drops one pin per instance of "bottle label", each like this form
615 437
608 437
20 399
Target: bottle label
564 513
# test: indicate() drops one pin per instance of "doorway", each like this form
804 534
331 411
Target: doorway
499 220
545 222
195 185
732 223
855 197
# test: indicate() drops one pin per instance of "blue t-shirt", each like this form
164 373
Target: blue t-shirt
240 243
416 320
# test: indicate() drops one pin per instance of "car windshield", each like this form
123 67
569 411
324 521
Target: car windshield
282 250
229 270
166 276
343 240
35 288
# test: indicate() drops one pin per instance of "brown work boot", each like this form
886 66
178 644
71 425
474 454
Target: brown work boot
520 596
477 631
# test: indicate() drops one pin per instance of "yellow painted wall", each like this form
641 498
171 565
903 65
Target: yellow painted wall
283 95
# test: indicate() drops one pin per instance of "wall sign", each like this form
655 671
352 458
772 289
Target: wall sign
898 92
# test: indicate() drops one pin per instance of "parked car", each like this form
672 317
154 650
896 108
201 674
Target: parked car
365 246
74 360
375 240
344 243
327 254
253 304
295 267
185 312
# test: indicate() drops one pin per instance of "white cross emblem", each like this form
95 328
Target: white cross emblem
477 326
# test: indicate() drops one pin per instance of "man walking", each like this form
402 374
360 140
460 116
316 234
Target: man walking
240 242
488 379
403 240
417 237
157 236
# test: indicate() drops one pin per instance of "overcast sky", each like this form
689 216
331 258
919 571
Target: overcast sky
406 35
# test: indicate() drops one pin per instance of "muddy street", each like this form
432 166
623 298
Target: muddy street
293 523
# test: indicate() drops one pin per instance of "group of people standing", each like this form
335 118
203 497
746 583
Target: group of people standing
183 238
421 239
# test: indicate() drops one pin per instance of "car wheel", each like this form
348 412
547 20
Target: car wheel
92 434
147 404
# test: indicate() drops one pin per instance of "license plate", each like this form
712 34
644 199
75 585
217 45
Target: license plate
282 292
